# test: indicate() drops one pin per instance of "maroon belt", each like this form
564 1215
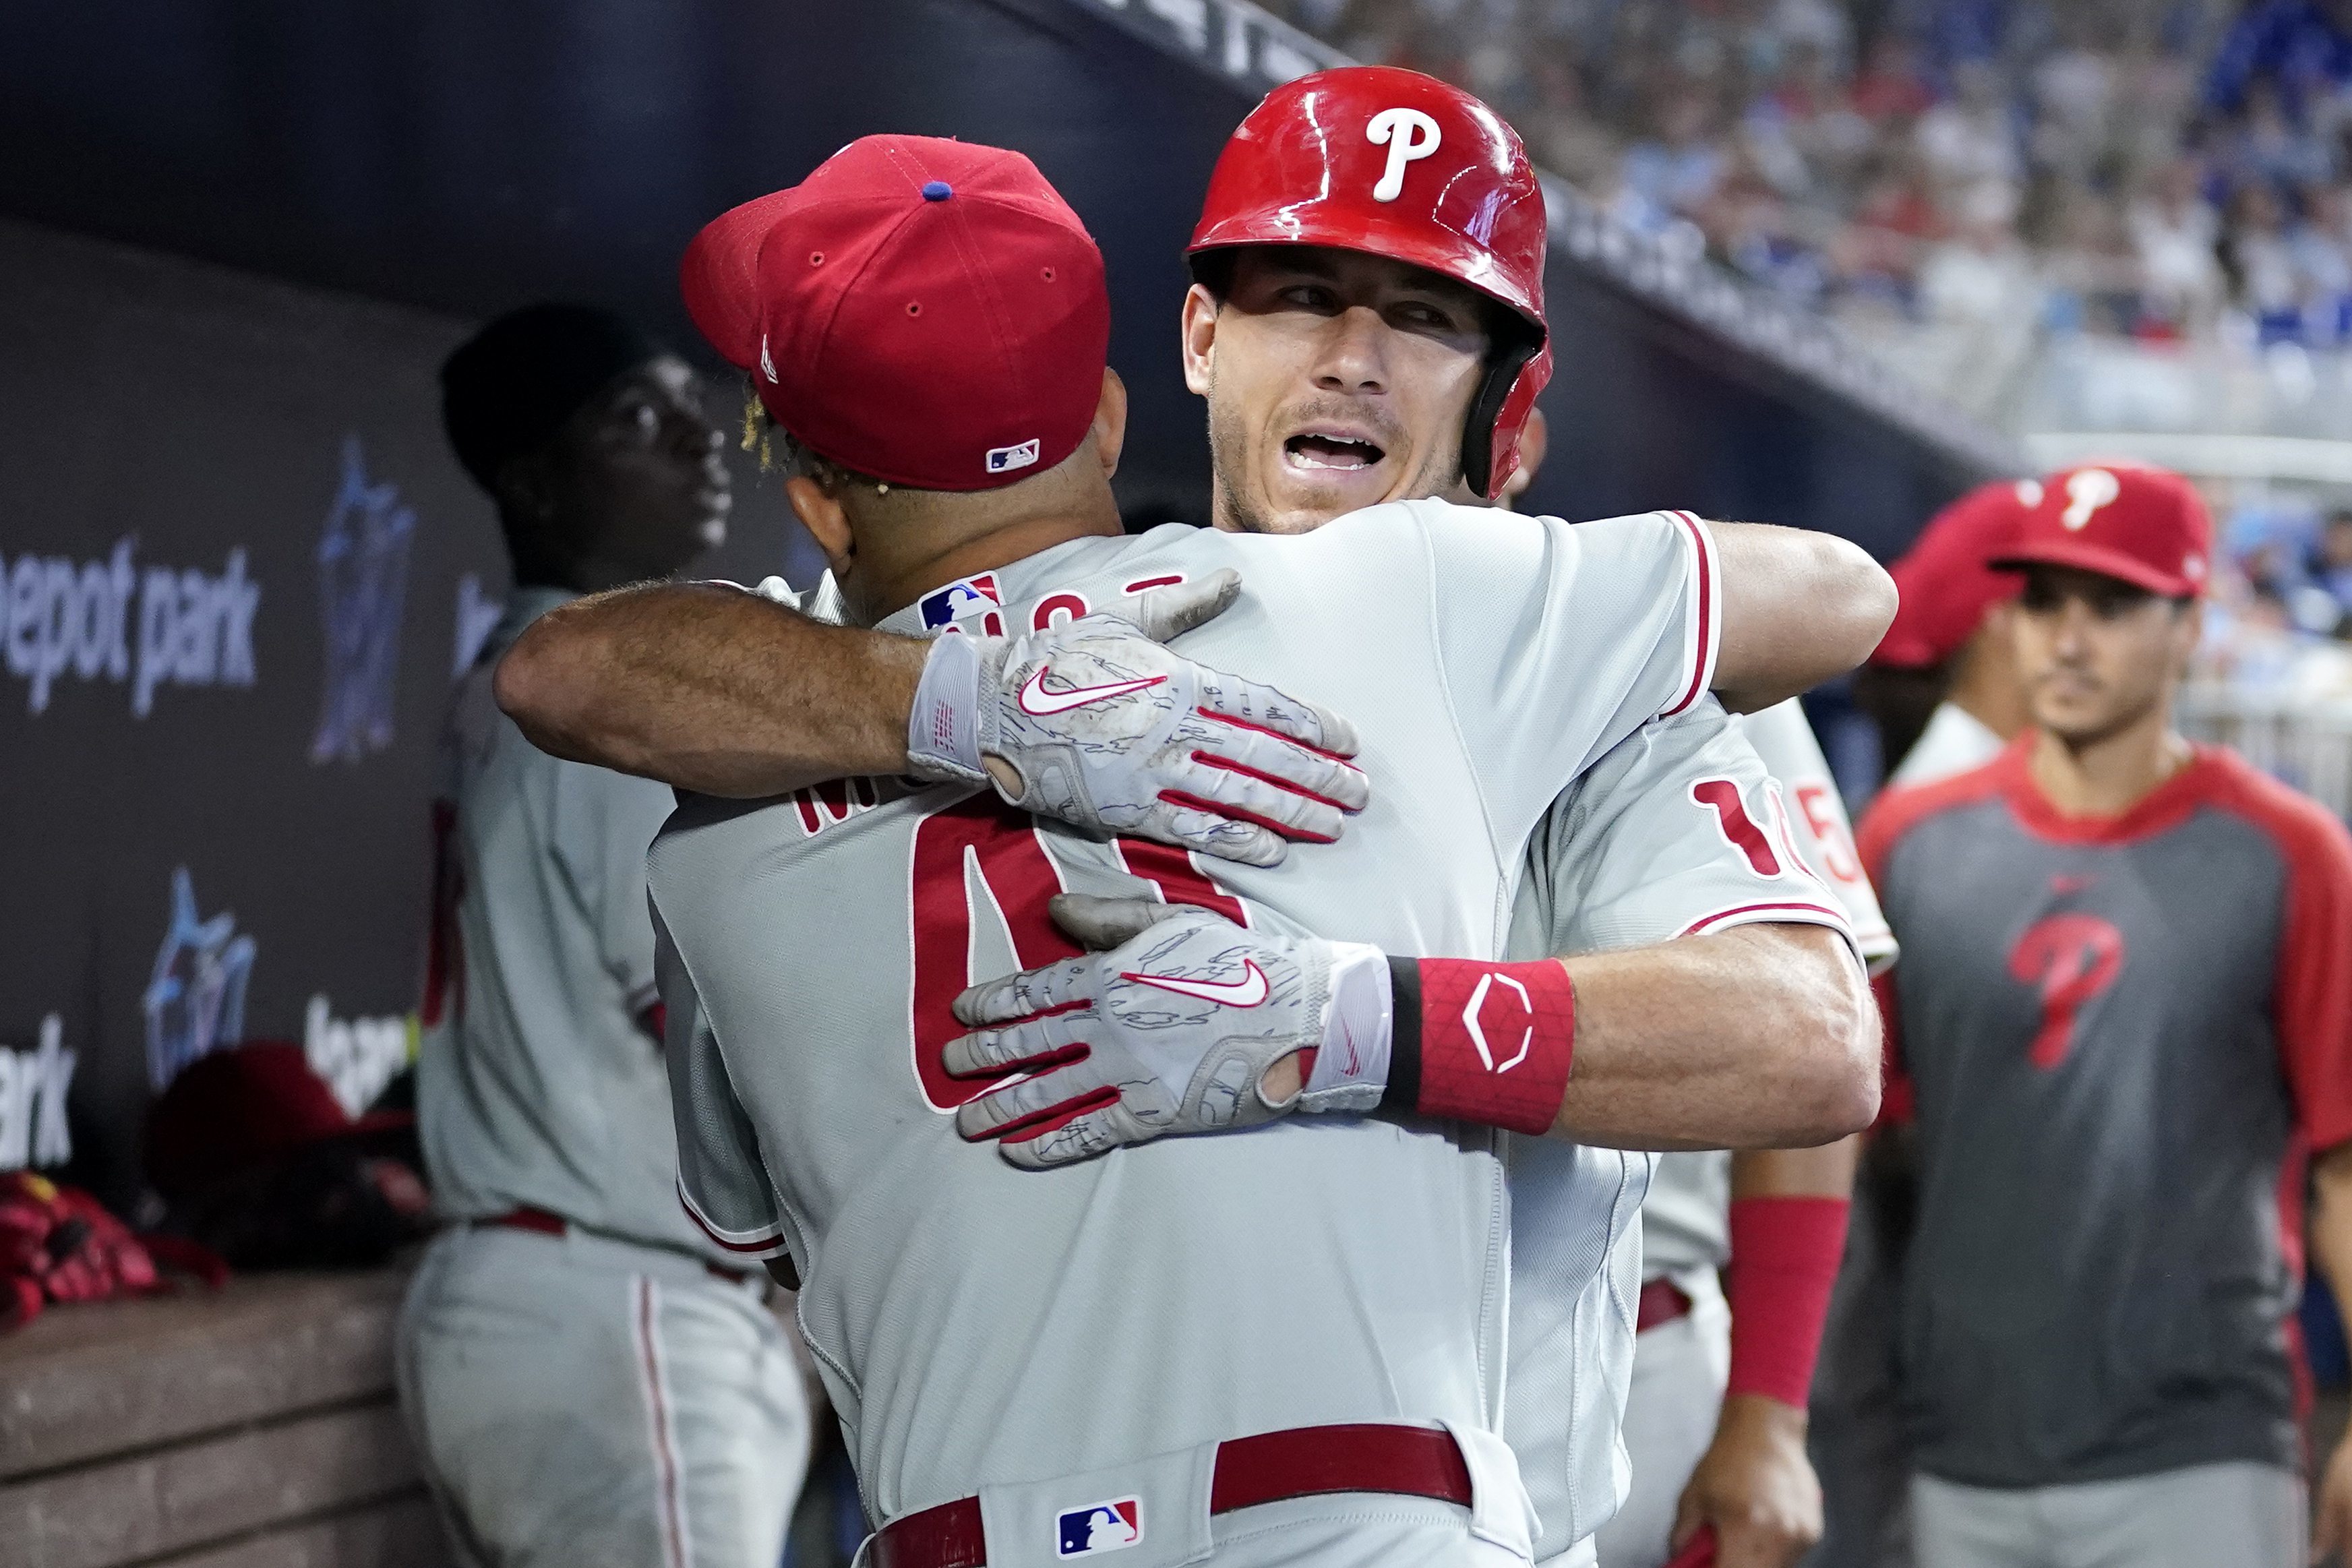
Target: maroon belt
1273 1467
1662 1302
546 1224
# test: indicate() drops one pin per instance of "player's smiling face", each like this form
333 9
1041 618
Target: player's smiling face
1335 380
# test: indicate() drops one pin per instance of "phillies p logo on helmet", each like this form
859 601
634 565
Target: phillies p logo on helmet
1410 134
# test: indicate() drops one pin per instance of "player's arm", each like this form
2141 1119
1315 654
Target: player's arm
2331 1249
1798 608
1755 1485
711 689
2311 1012
724 692
1761 1034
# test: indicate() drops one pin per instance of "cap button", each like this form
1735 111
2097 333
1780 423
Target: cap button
937 190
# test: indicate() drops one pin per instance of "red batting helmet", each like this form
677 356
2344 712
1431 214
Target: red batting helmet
1399 165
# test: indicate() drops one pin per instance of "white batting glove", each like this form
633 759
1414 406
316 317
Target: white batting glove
1105 729
1169 1029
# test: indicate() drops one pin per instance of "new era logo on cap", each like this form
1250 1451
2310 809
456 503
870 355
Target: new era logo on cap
1098 1526
1004 460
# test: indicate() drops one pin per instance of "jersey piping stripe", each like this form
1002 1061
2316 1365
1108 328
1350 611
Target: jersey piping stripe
758 1246
658 1409
1789 910
1707 614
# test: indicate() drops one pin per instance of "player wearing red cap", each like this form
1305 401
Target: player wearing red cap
2122 1019
1943 687
1408 371
1950 643
989 1336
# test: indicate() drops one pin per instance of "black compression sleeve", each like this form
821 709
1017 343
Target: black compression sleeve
1404 1091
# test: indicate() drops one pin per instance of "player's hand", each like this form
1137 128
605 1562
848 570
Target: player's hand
1755 1486
2331 1515
1095 723
1183 1021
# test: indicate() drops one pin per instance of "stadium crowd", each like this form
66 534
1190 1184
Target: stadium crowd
2158 169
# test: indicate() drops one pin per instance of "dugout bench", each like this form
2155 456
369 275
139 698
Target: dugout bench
249 1427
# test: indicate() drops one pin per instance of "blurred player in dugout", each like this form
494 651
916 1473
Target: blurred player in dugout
2122 1022
590 1379
1944 688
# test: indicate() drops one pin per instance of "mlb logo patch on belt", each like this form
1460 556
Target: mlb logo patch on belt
1098 1528
958 598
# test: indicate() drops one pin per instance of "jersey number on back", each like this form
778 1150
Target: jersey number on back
1017 878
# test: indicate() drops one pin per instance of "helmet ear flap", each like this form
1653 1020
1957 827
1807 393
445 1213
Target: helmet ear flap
1490 434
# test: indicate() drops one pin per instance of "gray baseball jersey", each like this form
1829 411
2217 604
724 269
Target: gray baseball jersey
979 1325
1686 1223
537 1086
1678 831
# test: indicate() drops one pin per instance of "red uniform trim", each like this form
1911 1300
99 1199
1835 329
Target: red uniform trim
766 1246
1703 641
1791 909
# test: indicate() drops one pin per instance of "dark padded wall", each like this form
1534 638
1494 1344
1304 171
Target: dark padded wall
396 168
285 445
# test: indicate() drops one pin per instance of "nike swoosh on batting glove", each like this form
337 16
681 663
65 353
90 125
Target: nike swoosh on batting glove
1168 1029
1105 729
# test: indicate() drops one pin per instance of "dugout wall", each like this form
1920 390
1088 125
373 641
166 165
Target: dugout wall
240 568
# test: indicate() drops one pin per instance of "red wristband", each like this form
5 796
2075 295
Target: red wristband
1784 1260
1477 1041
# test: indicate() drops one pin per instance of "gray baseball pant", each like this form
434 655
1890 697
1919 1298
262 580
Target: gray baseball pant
581 1402
2208 1516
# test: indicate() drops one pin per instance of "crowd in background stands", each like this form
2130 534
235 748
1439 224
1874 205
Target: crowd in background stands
2154 168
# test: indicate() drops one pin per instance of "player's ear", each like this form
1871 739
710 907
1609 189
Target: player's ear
1110 421
825 520
1200 337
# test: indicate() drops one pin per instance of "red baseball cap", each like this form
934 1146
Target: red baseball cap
1946 579
2147 526
923 312
239 1108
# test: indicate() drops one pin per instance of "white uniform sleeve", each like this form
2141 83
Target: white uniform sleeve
1817 822
603 823
1625 612
723 1179
1677 832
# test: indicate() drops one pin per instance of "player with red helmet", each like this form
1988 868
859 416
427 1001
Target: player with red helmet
1354 348
1429 218
1310 215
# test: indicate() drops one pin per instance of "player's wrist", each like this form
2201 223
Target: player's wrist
1481 1041
1348 1071
1785 1254
944 726
1763 1416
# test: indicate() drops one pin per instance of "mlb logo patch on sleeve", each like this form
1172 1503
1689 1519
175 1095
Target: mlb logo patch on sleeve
1099 1527
943 605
